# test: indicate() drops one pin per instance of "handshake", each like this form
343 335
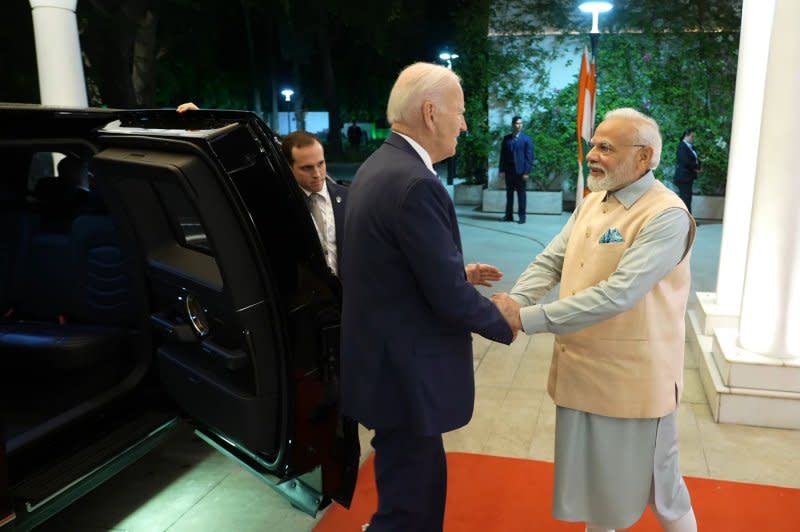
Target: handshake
484 275
510 311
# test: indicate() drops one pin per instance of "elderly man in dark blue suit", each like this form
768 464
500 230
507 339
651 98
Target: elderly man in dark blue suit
409 302
516 160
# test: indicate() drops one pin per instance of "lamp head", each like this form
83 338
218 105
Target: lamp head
287 94
595 8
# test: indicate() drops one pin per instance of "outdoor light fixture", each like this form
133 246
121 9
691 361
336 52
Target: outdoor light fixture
595 8
447 56
287 95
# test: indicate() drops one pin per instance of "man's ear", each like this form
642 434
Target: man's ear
646 155
428 112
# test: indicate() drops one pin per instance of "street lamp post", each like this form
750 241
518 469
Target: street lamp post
595 8
287 95
449 57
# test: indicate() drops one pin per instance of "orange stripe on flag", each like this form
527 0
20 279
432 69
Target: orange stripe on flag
583 79
587 88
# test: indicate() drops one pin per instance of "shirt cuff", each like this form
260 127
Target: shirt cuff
533 319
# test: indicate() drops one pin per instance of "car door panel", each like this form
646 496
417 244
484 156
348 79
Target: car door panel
220 276
312 295
243 247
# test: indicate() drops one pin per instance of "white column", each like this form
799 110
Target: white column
770 315
58 53
757 18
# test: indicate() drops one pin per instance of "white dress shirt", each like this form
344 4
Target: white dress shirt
329 242
426 158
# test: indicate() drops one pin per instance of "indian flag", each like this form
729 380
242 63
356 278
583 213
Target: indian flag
587 85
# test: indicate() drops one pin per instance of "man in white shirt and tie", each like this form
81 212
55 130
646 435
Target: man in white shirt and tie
325 198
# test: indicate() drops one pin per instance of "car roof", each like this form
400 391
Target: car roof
32 121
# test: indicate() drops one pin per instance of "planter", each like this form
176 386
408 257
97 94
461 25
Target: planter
467 194
708 207
538 202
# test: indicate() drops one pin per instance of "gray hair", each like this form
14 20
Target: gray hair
647 132
415 85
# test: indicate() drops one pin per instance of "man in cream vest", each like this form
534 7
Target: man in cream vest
617 370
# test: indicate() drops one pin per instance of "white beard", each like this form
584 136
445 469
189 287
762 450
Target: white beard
598 184
611 180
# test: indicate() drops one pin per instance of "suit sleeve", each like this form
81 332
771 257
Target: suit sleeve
686 160
529 156
425 236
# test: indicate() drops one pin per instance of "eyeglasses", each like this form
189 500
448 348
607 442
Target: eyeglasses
605 148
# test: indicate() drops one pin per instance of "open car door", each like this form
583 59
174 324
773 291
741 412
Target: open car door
244 307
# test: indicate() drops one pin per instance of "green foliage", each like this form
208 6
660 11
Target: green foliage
682 81
473 67
554 140
677 65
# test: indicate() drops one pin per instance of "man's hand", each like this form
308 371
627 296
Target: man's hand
510 311
482 274
188 106
525 177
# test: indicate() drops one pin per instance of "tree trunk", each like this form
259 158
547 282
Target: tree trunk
251 53
143 69
299 116
334 144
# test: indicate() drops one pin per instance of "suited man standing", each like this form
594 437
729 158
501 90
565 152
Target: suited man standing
687 167
325 198
408 302
516 160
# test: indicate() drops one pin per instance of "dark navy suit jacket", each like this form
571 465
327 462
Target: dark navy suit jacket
408 310
516 157
687 164
338 195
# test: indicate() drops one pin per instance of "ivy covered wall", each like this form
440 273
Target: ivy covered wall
675 61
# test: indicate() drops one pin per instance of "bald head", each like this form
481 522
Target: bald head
427 104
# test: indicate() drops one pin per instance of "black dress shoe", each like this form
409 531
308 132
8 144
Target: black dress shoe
521 221
506 219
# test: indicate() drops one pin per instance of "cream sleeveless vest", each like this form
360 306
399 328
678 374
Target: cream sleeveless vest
631 365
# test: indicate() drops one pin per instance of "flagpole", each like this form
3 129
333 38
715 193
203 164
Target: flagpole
587 87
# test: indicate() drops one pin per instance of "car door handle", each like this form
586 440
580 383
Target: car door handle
183 332
230 358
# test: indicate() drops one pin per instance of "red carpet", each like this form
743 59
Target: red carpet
491 493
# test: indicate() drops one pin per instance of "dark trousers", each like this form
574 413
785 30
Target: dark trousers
411 475
685 193
515 183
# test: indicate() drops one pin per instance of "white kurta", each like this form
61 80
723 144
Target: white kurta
604 466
